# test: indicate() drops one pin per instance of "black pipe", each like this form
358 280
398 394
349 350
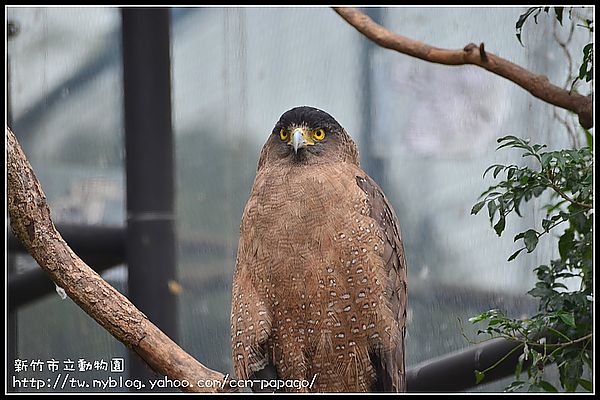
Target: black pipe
455 372
100 247
149 163
93 243
30 286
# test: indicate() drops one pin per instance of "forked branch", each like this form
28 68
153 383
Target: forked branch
472 54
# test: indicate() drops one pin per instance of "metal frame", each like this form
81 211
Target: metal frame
150 169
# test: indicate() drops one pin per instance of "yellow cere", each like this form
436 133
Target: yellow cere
309 137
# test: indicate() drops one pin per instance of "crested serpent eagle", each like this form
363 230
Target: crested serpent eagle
319 290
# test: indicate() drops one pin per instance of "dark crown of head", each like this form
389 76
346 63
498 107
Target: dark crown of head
309 116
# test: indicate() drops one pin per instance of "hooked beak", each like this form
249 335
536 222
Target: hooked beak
298 140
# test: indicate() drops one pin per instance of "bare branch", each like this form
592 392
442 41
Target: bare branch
471 54
31 223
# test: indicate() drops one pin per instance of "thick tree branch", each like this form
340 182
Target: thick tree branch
537 85
31 223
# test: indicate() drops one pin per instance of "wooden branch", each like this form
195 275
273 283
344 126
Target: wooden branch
31 223
538 85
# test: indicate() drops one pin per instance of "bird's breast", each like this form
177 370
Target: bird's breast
307 233
315 258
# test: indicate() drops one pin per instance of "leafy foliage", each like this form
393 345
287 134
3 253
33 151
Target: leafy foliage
535 11
561 332
586 70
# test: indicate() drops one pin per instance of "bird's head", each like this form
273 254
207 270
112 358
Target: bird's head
307 135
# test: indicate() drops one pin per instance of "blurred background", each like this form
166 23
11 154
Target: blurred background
425 132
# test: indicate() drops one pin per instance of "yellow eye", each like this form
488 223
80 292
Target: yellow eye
284 135
319 134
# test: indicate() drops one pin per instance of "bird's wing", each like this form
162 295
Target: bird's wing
389 364
250 330
251 318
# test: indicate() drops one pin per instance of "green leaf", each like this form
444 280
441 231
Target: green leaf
492 208
514 386
479 376
547 386
500 225
511 173
519 369
567 318
587 66
559 285
589 138
497 170
515 254
537 191
538 147
540 292
494 313
565 243
509 141
479 318
545 158
570 373
521 21
512 138
583 70
496 166
587 385
587 23
519 236
558 11
530 238
580 222
517 203
477 207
